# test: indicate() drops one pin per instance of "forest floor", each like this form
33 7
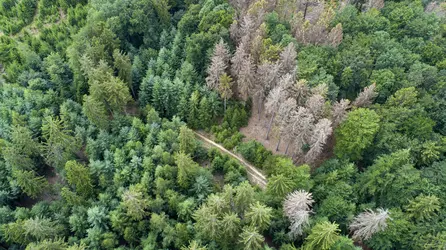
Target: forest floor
257 129
254 174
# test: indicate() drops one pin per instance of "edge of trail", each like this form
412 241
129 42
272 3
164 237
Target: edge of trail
254 175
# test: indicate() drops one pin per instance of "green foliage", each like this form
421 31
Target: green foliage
79 177
322 236
254 152
356 133
101 91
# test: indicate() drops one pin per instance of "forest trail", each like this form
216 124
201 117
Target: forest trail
254 175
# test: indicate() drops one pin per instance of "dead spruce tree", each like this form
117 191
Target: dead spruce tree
273 101
245 79
368 223
300 91
366 97
287 110
288 60
237 60
321 132
218 66
297 207
266 78
315 105
339 111
302 127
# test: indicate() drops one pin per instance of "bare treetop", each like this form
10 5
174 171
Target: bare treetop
366 97
299 200
321 132
218 66
245 80
288 59
300 91
368 223
315 105
339 111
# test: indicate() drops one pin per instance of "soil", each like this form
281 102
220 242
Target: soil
257 129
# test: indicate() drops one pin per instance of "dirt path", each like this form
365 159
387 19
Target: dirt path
254 175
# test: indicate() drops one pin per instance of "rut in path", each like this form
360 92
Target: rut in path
254 175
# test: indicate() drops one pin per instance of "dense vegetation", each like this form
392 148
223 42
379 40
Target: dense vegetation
99 100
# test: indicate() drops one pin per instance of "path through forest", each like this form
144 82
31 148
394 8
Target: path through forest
254 175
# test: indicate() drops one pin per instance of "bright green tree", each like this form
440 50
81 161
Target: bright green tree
59 145
79 176
423 207
322 236
188 143
251 239
30 183
259 216
356 133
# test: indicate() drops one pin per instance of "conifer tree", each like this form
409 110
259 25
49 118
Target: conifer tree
368 223
59 144
251 238
218 66
225 88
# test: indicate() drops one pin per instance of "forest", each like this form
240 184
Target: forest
340 105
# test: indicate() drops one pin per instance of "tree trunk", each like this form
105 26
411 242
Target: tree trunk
305 10
287 146
258 106
278 144
270 125
224 103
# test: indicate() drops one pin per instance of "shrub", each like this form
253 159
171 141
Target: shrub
254 152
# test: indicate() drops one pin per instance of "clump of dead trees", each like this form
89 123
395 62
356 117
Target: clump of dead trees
302 115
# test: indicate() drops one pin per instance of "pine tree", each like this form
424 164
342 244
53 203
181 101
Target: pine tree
335 36
19 153
297 201
244 197
187 170
194 245
40 228
238 59
266 78
279 185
